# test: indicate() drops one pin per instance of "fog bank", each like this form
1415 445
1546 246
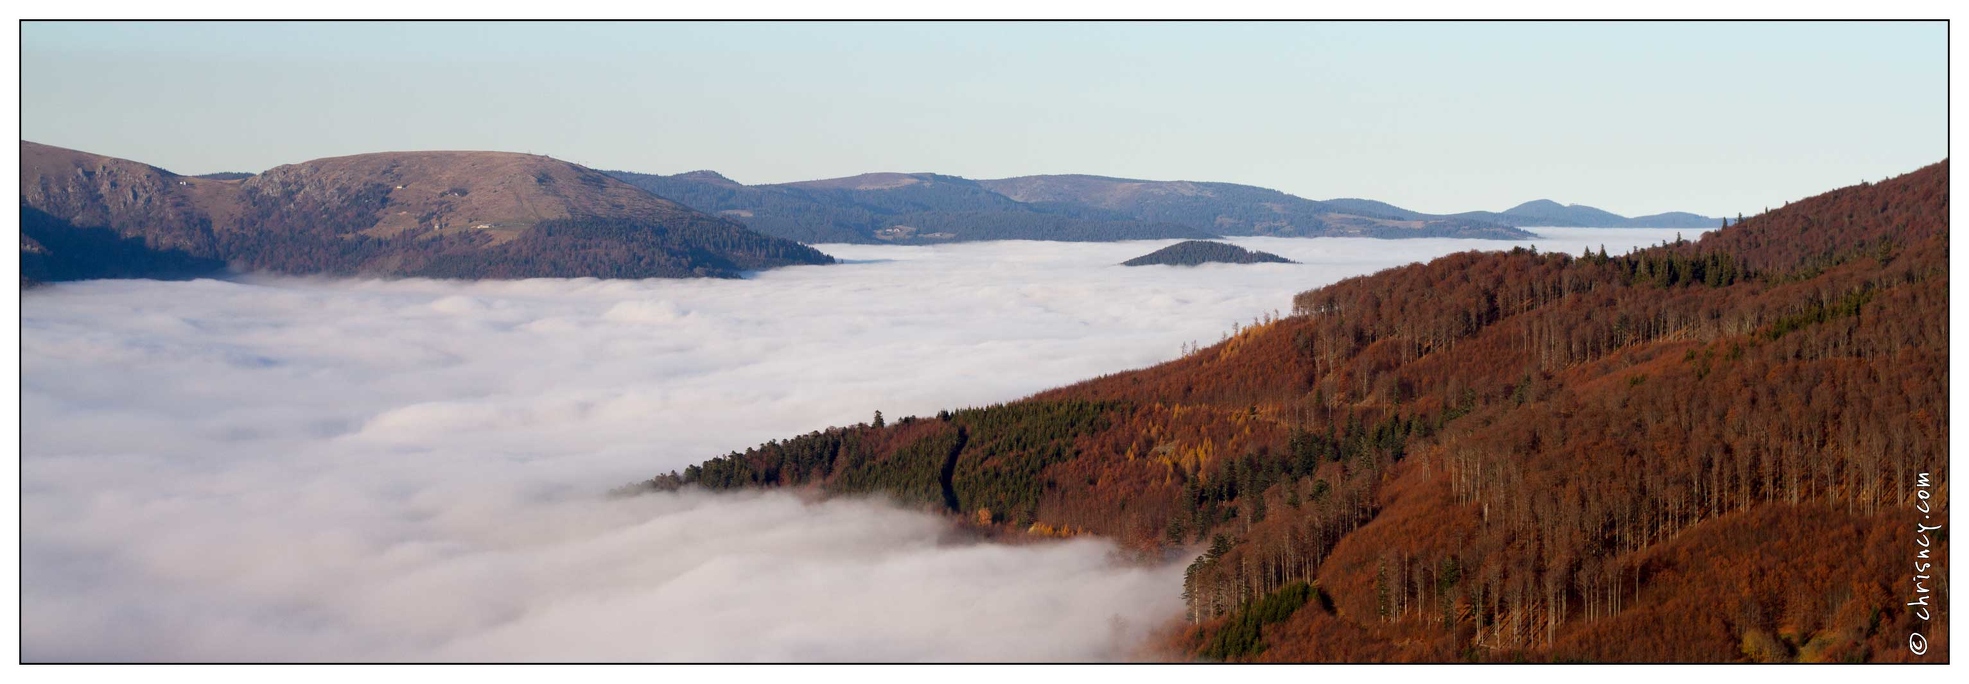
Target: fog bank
299 469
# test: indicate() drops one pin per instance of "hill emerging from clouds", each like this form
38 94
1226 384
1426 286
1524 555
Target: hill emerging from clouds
437 214
1199 252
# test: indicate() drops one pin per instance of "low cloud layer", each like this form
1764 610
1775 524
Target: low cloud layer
293 469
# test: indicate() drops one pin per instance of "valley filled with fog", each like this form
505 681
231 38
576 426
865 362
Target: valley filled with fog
308 469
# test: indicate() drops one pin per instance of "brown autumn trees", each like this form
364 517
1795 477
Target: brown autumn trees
1704 450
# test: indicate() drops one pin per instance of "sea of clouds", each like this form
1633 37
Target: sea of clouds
315 470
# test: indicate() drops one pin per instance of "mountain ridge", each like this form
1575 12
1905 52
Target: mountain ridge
1546 213
1229 209
435 213
896 208
886 207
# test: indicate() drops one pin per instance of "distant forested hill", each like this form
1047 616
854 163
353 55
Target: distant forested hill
928 207
1227 209
1198 252
438 214
897 208
1708 451
1540 213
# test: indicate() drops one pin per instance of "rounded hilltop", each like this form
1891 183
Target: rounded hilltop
1197 252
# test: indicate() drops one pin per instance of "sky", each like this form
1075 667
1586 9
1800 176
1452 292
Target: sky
268 469
1635 118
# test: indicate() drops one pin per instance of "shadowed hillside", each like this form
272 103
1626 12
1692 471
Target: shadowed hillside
1702 451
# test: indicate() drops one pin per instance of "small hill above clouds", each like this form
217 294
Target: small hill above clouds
1198 252
442 214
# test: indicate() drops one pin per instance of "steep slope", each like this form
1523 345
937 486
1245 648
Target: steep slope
897 208
446 214
168 211
1703 451
55 250
1230 209
1198 252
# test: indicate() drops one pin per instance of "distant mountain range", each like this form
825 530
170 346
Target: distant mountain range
928 207
509 215
436 214
901 208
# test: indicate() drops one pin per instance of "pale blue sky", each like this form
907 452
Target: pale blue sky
1715 118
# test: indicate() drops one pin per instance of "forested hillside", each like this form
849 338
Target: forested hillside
436 214
1702 451
1199 252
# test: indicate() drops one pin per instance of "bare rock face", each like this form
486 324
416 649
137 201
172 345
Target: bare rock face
132 198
